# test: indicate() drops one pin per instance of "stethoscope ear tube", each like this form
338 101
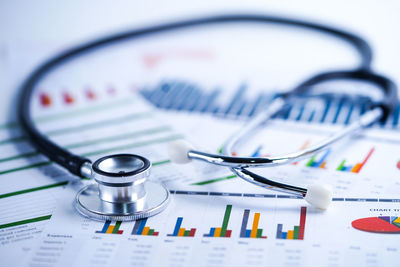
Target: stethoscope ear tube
388 103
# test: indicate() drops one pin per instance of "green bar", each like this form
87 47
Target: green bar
33 189
296 232
215 180
220 150
186 233
161 162
116 227
259 233
38 219
151 231
226 220
341 166
44 163
311 161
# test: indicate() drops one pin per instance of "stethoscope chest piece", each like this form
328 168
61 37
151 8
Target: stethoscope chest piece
122 192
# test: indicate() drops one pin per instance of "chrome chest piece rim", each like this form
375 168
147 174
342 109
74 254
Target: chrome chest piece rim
122 192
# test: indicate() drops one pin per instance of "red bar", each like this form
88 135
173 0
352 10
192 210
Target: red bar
228 233
90 94
68 99
302 225
45 100
366 159
155 233
120 232
192 232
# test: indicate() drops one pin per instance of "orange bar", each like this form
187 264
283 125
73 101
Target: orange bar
323 165
356 167
181 232
146 230
217 232
253 233
110 229
290 234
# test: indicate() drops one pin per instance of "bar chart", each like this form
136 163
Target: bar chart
254 231
140 228
356 168
178 231
319 163
223 230
192 97
298 231
111 229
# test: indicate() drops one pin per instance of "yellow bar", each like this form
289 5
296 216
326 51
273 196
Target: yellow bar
289 234
253 233
110 229
217 232
181 231
323 165
146 230
356 167
397 220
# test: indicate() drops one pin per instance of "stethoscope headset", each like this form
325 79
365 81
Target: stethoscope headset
122 192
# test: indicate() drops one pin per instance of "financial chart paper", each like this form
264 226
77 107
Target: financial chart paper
214 218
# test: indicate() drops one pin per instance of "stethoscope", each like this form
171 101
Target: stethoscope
122 192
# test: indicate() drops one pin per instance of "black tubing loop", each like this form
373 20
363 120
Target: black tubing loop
74 162
388 103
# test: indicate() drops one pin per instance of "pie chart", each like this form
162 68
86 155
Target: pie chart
381 224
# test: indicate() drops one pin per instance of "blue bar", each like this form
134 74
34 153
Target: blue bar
211 234
287 112
339 108
279 231
105 227
257 152
256 104
310 119
300 113
347 169
327 107
244 223
241 108
317 164
141 226
177 226
236 98
284 235
347 121
211 100
248 232
262 105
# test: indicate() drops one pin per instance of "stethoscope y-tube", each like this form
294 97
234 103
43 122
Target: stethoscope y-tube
121 166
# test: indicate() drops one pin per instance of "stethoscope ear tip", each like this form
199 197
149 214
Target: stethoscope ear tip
178 151
319 195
